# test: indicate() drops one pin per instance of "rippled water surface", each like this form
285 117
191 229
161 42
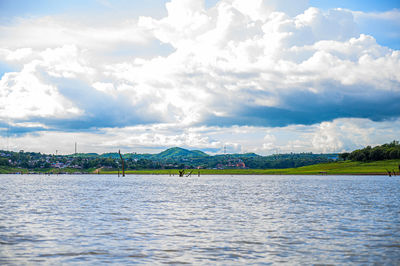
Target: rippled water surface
199 220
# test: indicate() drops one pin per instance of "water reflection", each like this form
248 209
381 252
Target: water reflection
207 220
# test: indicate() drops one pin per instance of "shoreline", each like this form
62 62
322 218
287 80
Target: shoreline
378 168
209 174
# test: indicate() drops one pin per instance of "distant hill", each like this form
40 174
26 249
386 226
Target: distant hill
84 155
240 155
172 153
176 152
113 155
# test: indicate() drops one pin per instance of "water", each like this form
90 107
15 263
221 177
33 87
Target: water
207 220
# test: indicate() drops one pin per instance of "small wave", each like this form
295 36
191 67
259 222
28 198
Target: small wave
75 254
171 250
387 246
177 262
123 219
244 242
16 239
138 255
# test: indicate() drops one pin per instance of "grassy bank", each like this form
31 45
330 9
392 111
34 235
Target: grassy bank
335 168
11 170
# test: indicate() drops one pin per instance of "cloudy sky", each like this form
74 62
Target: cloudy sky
262 76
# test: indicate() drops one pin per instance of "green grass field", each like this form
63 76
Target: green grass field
335 168
9 170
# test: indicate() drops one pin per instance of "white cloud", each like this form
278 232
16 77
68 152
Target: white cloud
237 59
50 32
107 88
24 95
264 63
260 9
347 134
66 61
337 24
391 15
269 143
28 124
15 55
30 93
228 53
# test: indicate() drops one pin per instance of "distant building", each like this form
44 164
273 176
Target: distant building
240 165
58 165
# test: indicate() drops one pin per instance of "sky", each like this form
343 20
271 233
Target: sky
263 76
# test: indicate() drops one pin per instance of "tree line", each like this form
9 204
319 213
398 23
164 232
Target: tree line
37 161
388 151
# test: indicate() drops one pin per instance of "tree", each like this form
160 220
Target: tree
394 153
358 155
344 156
383 152
4 161
377 154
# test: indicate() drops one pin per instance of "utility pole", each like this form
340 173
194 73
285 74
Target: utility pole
8 136
75 148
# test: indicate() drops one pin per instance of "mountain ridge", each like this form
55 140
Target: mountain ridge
181 152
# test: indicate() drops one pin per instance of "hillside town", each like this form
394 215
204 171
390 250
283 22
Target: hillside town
173 158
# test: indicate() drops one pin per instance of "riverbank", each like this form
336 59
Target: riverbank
335 168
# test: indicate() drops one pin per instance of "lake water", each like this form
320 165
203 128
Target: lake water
92 219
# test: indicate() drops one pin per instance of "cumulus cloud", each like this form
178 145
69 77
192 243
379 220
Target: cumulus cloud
56 87
261 64
278 69
24 95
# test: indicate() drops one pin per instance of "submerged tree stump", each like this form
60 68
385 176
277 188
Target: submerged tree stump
122 162
389 173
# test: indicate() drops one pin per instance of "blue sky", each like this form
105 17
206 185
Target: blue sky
255 76
357 5
9 9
